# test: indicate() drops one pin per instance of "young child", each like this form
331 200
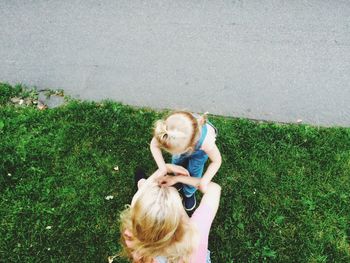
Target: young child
190 139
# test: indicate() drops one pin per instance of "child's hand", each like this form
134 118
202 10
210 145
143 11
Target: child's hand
178 170
167 180
159 173
203 185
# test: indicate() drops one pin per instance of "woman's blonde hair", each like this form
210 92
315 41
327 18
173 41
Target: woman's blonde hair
155 220
179 131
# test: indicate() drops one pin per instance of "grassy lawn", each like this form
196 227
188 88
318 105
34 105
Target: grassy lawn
286 188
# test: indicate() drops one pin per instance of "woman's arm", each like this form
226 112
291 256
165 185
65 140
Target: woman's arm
157 155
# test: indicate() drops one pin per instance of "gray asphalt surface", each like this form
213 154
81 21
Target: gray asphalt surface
268 59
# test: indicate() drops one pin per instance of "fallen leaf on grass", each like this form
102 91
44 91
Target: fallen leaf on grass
109 197
299 120
41 106
15 100
28 102
116 168
111 258
59 93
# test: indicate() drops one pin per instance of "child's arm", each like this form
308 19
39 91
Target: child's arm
215 158
157 155
176 169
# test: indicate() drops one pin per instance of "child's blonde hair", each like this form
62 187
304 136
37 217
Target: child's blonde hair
155 219
179 131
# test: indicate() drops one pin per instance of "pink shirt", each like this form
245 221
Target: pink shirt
202 218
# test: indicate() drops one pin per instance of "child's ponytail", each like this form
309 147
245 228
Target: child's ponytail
161 133
167 138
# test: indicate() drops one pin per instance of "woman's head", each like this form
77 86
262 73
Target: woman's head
178 132
156 219
156 213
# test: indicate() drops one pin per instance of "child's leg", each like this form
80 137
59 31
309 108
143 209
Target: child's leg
195 167
181 160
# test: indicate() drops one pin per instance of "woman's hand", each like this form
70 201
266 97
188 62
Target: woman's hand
167 180
177 169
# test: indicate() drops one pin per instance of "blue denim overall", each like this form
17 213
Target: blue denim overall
194 162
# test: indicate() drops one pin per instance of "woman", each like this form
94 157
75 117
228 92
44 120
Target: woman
155 227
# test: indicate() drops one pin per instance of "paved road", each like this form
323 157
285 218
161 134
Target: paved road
262 59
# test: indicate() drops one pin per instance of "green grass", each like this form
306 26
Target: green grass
286 188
